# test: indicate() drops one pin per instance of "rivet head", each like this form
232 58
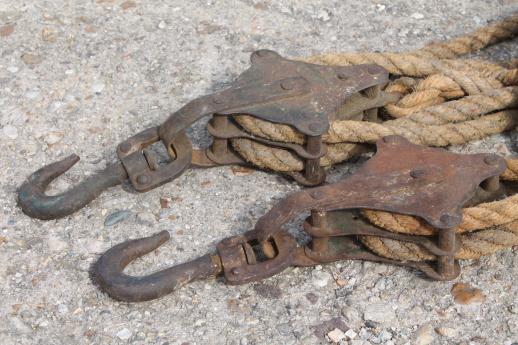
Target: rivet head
125 147
491 159
417 173
342 76
287 85
236 271
143 179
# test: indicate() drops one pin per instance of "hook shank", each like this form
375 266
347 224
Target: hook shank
35 203
109 271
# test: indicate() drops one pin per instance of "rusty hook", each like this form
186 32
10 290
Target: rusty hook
35 203
109 271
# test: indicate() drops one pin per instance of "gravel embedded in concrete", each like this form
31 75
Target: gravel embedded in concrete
81 76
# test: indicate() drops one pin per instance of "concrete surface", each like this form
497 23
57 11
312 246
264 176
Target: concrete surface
80 76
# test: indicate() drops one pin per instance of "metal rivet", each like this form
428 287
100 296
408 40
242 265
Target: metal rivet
491 159
342 76
143 179
235 271
125 147
417 173
287 85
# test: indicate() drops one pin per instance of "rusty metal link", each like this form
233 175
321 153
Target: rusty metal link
404 178
304 96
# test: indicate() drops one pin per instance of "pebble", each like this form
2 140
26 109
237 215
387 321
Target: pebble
379 312
417 15
116 217
446 331
465 294
336 335
10 131
20 326
33 94
12 69
352 317
351 334
31 59
146 218
323 15
98 87
124 334
161 25
52 138
320 278
55 244
49 35
62 308
424 335
513 309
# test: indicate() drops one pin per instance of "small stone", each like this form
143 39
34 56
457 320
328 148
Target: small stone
446 332
379 312
10 131
161 25
6 30
116 217
240 170
417 15
351 334
49 34
124 334
126 5
513 309
55 244
323 15
311 297
165 202
380 7
320 278
341 282
62 309
33 94
52 138
31 59
352 317
336 335
146 218
98 87
424 335
465 294
20 326
12 69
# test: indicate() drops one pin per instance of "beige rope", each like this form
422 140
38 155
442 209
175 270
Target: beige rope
456 101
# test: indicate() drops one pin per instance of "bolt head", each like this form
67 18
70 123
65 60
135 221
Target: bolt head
342 76
143 179
287 85
124 147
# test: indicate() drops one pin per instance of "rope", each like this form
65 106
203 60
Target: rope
443 101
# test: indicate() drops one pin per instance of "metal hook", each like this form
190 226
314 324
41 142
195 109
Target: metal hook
35 203
109 271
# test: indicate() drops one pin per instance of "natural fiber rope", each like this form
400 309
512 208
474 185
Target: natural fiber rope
456 102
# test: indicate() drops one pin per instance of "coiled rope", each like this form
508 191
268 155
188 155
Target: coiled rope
444 101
